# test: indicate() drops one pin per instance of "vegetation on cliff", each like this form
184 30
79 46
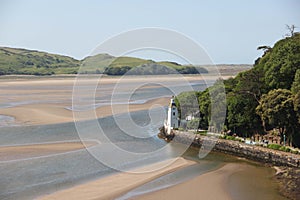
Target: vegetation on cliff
263 98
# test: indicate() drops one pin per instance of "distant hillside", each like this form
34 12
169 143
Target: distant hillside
23 61
30 62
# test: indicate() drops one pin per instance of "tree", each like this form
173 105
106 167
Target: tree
187 104
217 95
204 108
276 110
291 29
281 64
297 105
251 83
241 115
296 84
193 124
265 48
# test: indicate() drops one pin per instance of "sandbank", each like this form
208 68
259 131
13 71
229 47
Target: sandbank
8 153
113 186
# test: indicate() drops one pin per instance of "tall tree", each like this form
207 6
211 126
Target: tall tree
296 83
282 63
241 115
276 110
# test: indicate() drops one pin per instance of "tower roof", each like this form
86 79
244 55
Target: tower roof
172 102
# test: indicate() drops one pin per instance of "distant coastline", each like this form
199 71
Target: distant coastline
16 61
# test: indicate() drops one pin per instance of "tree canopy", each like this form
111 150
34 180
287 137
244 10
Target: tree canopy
264 97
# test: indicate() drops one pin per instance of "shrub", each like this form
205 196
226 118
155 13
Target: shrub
279 147
274 146
222 137
229 137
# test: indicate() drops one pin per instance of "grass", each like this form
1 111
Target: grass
22 61
281 148
204 132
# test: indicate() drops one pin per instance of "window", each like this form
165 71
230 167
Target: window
173 113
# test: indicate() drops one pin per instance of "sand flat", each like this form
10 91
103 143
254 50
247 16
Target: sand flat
212 186
113 186
42 100
8 153
39 114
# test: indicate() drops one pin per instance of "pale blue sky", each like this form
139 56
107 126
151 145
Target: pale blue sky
229 30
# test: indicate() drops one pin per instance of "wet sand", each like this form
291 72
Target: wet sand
8 153
38 114
212 185
39 101
113 186
232 181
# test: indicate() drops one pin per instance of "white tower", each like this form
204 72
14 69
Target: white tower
172 118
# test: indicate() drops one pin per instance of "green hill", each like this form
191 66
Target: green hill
23 61
30 62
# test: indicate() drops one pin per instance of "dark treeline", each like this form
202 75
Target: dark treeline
152 69
262 99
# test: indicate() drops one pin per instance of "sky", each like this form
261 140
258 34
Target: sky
230 31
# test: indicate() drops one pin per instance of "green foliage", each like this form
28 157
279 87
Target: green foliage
204 133
187 104
280 148
218 105
276 110
193 124
260 99
274 146
196 104
229 137
281 63
286 149
296 84
204 108
297 105
241 115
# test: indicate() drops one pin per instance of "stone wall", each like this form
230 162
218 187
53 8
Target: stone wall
236 148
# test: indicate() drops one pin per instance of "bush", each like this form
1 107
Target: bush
294 151
286 149
273 146
229 137
203 133
222 137
279 147
193 124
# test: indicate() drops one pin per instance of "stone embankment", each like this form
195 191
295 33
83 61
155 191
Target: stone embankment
236 148
288 169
